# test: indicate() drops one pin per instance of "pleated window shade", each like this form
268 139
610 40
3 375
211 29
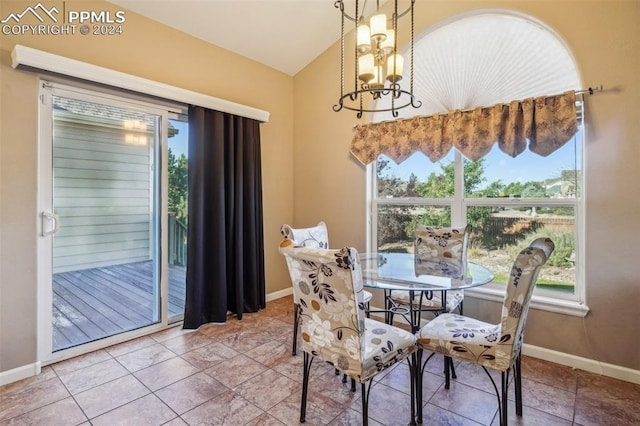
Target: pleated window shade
483 59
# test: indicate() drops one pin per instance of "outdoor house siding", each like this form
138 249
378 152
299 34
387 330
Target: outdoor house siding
102 192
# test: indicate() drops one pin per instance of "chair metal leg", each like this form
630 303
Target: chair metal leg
353 385
452 368
505 388
420 366
502 399
296 320
416 383
366 387
367 312
517 382
447 374
307 360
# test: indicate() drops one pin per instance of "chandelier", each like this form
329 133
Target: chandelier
378 65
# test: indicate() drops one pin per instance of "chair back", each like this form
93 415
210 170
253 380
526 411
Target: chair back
522 282
315 236
327 285
437 248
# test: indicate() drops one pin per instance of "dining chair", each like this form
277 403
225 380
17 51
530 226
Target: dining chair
495 346
446 247
433 244
318 237
328 287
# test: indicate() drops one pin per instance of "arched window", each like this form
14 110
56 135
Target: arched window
485 58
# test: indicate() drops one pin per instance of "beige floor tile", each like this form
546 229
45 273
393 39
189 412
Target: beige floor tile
267 389
146 411
188 393
226 409
106 397
236 371
30 397
61 413
145 357
208 356
164 373
467 401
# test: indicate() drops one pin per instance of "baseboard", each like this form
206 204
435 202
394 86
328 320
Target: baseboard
280 293
20 373
593 366
573 361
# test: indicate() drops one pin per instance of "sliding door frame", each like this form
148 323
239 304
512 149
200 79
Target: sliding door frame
48 88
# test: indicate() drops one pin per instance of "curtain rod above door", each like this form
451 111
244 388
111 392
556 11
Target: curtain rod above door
29 58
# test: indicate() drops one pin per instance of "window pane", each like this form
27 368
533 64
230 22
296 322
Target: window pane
396 224
416 176
178 216
500 233
528 175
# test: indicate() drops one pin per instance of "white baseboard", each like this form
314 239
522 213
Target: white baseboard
278 294
586 364
593 366
20 373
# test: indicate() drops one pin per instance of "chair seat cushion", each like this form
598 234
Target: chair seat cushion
366 296
454 298
384 345
466 338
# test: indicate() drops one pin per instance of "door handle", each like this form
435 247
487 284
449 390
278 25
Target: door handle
46 217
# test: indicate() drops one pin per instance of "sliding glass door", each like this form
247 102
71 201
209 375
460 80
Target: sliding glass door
113 218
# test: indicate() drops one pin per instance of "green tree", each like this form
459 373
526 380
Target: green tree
392 221
178 186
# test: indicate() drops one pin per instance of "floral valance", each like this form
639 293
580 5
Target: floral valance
546 123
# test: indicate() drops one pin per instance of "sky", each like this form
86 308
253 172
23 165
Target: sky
179 142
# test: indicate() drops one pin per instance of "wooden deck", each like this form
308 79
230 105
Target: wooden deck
94 303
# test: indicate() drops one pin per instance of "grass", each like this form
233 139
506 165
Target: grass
542 283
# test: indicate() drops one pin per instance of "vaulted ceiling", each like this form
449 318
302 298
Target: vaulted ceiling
283 34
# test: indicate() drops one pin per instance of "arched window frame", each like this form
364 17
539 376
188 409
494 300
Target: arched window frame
458 204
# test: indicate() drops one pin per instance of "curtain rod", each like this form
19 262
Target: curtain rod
588 91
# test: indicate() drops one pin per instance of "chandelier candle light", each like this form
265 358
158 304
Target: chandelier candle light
378 65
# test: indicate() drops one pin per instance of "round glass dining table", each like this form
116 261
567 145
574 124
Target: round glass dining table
405 272
402 271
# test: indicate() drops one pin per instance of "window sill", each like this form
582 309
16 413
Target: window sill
543 303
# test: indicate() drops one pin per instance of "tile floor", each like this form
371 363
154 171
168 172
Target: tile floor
242 373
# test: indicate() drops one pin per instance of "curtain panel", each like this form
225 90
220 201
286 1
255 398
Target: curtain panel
546 123
225 262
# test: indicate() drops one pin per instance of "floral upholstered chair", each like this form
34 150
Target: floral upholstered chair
437 251
315 236
495 346
446 247
327 285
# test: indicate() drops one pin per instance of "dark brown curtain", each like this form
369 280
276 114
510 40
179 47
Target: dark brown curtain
225 262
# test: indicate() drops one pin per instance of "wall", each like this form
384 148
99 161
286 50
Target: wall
604 37
148 50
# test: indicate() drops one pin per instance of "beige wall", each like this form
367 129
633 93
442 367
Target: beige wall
148 50
604 37
308 174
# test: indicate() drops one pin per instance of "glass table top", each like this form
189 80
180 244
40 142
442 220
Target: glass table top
402 271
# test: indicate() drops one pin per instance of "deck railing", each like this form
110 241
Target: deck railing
177 241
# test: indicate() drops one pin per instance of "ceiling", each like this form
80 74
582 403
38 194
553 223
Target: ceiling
283 34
